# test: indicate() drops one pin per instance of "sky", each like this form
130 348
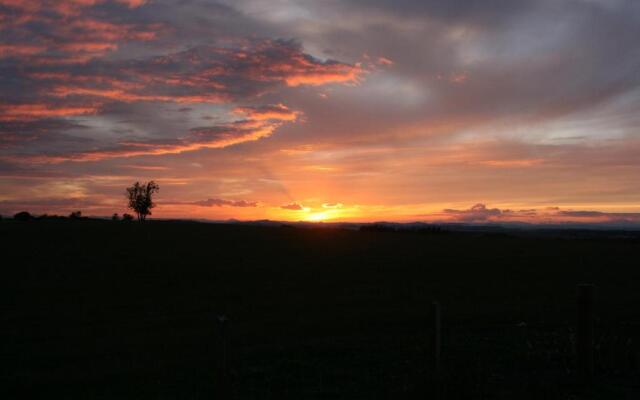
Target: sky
323 110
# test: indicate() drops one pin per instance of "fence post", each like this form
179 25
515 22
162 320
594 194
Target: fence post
585 331
437 335
222 319
223 378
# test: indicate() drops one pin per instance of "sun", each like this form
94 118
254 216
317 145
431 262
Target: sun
330 214
317 216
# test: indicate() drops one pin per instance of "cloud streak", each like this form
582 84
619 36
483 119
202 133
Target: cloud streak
222 203
209 137
480 213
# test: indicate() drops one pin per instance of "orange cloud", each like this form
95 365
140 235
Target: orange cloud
285 62
513 163
129 95
278 112
12 112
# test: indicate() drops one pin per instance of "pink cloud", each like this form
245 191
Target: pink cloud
65 32
292 207
206 74
278 112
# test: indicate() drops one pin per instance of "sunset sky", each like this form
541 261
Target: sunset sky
323 110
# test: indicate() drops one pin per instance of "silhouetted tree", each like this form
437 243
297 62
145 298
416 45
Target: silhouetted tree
75 215
141 198
127 217
23 216
115 217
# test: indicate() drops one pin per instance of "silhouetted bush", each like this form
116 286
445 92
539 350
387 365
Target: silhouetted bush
47 217
75 215
127 217
115 217
428 229
378 228
23 216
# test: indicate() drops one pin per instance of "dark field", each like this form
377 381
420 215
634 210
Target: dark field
114 310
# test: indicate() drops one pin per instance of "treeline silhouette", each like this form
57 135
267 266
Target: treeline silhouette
139 199
25 216
380 227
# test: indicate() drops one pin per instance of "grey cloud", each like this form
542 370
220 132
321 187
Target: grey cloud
477 213
600 216
222 202
486 12
581 213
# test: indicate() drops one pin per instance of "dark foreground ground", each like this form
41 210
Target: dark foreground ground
105 310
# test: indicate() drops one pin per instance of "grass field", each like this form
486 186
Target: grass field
101 309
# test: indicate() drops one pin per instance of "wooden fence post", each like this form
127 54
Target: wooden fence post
223 387
437 335
223 339
585 331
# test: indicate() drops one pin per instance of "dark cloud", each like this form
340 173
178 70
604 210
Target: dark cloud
598 216
536 59
601 216
482 12
16 133
581 213
528 212
211 137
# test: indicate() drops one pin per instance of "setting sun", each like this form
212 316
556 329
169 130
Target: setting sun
318 217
